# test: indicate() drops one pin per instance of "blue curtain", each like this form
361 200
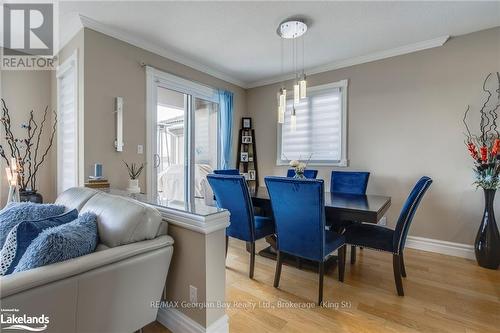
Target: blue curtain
226 127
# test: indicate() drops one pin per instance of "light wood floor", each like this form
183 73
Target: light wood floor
442 294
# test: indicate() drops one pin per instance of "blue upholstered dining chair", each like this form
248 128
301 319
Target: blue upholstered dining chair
299 213
384 239
349 182
308 173
234 172
232 194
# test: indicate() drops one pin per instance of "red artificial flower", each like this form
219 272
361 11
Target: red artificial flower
496 148
484 153
472 150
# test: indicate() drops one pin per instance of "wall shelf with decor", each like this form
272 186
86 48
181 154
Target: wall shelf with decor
247 154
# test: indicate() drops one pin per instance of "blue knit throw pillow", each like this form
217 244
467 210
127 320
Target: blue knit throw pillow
16 212
21 236
64 242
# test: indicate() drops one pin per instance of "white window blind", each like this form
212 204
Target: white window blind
320 127
67 138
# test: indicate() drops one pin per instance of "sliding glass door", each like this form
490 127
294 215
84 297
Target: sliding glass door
183 145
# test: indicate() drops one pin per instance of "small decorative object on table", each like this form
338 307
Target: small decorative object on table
27 153
134 171
299 168
485 150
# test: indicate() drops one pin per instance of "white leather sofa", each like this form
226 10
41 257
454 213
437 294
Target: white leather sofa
110 290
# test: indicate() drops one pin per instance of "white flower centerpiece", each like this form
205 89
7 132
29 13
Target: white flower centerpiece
299 168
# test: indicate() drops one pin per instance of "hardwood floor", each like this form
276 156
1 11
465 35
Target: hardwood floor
442 294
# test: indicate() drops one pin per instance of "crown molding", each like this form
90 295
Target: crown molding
410 48
118 34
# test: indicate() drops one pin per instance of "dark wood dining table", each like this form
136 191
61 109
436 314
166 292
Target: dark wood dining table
339 208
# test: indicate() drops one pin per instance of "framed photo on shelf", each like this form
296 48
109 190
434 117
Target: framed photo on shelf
246 175
250 158
246 139
246 122
251 174
244 157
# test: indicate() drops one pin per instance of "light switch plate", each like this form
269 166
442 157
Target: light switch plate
193 294
140 149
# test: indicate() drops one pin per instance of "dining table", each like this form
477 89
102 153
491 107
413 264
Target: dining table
339 209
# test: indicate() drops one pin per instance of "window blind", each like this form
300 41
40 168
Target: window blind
318 133
67 130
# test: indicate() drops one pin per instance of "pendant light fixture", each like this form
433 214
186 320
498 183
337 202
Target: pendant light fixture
292 29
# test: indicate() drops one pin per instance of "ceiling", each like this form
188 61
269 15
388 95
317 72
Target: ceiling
237 41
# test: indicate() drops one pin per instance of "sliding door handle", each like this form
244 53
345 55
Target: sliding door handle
156 160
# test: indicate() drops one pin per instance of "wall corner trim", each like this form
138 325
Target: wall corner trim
442 247
379 55
178 322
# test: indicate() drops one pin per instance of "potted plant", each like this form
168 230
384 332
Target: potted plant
485 151
134 171
26 153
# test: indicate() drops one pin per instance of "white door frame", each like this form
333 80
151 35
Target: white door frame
154 79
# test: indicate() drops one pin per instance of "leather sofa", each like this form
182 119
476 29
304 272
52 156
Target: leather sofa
110 290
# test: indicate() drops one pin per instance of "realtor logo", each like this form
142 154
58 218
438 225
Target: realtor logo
28 28
28 36
11 319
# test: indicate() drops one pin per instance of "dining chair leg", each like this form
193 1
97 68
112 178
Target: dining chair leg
353 254
321 274
227 244
396 264
277 274
341 262
252 259
403 268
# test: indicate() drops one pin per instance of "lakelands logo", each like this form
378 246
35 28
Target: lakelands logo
28 36
10 319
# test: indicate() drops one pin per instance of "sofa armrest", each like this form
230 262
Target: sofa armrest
22 281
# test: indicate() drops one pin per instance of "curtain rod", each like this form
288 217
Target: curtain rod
144 65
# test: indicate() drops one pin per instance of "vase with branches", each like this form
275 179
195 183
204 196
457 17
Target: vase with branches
26 153
134 171
484 148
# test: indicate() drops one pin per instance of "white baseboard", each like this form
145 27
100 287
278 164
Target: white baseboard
439 246
178 322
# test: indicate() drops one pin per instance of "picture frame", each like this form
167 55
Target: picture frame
246 139
245 175
250 158
246 122
244 157
251 174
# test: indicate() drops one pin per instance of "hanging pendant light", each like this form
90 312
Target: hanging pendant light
292 29
281 105
296 92
303 86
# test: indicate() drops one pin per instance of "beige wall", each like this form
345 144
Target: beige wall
404 121
24 91
198 260
112 68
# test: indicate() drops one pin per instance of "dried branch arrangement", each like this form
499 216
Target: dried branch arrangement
484 148
28 150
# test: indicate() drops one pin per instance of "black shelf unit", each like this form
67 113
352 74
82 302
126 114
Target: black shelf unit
246 161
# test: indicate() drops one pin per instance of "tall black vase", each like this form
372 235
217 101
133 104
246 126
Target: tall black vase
31 196
487 245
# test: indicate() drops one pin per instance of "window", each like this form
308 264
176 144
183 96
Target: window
321 127
183 138
67 125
